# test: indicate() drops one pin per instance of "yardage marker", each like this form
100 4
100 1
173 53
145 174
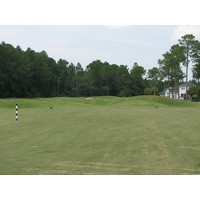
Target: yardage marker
16 112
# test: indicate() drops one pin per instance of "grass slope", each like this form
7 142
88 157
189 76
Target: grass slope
77 101
102 135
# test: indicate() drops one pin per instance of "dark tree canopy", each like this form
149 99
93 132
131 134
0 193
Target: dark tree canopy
35 74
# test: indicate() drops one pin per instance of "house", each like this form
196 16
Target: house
178 92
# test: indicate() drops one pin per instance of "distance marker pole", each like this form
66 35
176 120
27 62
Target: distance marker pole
16 116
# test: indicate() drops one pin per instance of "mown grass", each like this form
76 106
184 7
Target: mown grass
102 135
106 101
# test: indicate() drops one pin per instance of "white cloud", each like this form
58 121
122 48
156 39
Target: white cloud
180 31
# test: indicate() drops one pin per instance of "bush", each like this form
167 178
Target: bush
147 91
198 92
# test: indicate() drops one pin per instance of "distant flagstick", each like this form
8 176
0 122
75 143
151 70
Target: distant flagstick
16 116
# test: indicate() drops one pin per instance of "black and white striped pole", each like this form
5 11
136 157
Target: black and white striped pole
17 114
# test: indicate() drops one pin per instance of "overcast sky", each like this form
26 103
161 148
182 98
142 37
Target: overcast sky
86 43
87 32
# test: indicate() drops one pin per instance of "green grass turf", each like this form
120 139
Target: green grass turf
102 135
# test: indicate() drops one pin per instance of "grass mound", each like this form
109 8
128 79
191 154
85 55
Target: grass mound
103 100
161 101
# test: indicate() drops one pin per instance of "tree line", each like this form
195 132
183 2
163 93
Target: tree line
179 55
35 74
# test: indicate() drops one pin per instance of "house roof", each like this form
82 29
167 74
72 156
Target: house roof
163 92
189 84
176 89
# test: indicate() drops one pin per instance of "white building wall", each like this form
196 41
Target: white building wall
182 92
181 95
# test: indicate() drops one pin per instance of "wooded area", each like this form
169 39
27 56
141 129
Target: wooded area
35 74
